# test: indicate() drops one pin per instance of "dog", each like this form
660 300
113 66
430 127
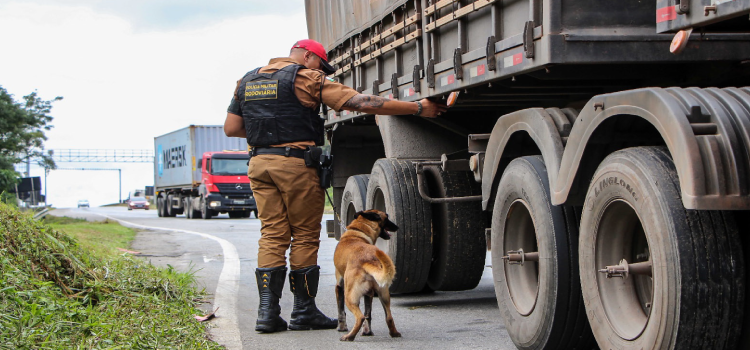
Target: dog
363 270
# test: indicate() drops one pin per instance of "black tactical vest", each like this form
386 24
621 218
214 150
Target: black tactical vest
271 111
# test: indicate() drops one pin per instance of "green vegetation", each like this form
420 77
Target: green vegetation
100 238
22 127
57 294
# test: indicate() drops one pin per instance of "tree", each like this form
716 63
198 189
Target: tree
22 127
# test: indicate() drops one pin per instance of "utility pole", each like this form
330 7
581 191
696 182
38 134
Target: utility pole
46 172
28 165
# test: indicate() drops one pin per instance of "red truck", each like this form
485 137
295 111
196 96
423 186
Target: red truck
215 183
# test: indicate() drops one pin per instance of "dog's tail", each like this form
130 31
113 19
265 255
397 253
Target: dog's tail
385 272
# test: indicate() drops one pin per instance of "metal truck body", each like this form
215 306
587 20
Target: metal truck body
200 172
600 149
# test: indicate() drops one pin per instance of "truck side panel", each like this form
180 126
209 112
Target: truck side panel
174 152
343 17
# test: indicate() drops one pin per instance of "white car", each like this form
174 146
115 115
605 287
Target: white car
83 203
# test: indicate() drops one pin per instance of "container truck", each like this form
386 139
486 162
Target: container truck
200 172
599 149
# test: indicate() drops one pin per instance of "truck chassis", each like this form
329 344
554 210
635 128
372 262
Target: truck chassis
609 177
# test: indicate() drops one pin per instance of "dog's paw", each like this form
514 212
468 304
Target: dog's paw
347 338
343 329
395 335
367 333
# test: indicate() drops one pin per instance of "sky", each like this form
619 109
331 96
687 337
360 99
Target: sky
131 70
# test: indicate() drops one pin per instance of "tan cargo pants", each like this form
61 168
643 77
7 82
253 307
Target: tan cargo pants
290 208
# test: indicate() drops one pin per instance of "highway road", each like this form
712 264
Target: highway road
222 253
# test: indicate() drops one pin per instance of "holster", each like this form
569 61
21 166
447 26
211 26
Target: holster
312 157
315 158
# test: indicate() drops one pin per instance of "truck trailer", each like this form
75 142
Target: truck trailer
599 149
200 172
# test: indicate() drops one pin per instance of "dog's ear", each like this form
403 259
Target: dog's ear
389 225
368 215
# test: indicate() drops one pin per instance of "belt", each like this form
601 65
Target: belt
279 151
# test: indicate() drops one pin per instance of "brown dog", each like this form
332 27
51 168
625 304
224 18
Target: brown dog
362 269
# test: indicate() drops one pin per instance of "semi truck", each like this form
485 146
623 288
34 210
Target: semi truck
599 149
200 172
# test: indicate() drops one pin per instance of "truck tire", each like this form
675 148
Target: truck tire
459 248
540 301
194 213
206 212
160 206
691 295
353 199
168 209
190 212
392 188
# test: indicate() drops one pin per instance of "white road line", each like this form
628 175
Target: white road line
227 331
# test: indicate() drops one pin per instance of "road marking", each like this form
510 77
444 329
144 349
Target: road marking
227 331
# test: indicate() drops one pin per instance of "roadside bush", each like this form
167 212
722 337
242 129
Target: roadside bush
55 295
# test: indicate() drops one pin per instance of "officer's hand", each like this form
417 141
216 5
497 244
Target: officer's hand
431 109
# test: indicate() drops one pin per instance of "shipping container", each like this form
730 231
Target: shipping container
600 149
178 151
187 178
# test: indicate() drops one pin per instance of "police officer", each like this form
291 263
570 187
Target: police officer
276 108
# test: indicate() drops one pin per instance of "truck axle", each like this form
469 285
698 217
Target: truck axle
518 257
624 269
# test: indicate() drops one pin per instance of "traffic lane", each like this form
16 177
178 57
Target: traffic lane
440 320
434 321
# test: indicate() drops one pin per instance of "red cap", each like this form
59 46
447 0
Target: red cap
318 49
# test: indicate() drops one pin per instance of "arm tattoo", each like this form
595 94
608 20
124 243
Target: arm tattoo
365 101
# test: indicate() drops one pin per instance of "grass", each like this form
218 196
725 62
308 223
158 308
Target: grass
100 238
56 293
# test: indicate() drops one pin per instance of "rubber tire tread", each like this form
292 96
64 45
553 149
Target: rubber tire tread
577 333
570 326
160 206
422 224
186 205
710 252
459 248
206 213
412 243
196 214
168 210
711 265
359 182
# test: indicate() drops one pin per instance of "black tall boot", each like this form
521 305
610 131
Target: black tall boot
305 315
270 285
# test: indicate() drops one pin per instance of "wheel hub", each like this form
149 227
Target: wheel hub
521 269
626 289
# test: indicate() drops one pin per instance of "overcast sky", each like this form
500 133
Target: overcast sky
130 70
